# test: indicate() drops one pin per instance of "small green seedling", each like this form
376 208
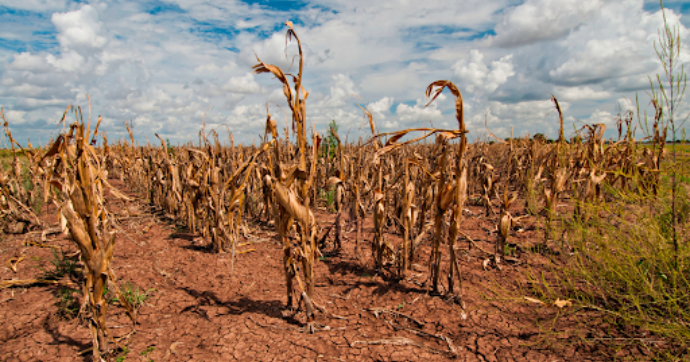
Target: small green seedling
123 356
133 295
145 353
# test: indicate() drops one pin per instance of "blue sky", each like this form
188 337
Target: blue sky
162 64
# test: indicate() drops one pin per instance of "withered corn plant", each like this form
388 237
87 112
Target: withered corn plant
18 191
449 192
407 218
77 180
504 225
460 188
356 209
379 247
338 181
291 187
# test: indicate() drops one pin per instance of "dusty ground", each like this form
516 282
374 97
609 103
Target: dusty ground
198 311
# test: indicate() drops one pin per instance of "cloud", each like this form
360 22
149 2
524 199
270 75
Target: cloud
215 69
524 118
603 117
626 105
29 62
579 93
70 61
540 20
16 117
163 64
38 80
342 88
381 108
80 30
271 51
36 5
591 62
480 77
245 85
613 50
418 114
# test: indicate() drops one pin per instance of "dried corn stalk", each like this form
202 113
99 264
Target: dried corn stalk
77 180
294 205
504 225
459 194
339 182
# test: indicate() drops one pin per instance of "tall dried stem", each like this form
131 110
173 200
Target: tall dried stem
78 174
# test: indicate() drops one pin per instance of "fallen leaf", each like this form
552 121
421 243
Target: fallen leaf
12 263
562 303
534 300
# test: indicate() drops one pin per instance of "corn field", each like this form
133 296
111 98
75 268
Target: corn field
413 185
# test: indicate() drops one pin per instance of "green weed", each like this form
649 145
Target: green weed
148 350
330 144
67 299
133 295
63 266
329 197
623 263
67 302
508 250
122 357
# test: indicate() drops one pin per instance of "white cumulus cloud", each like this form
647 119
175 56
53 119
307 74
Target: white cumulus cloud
477 76
381 108
579 93
419 113
539 20
80 30
245 84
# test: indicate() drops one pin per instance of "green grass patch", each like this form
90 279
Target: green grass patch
621 260
135 296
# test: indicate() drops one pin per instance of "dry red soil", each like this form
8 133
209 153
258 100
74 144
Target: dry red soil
198 310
